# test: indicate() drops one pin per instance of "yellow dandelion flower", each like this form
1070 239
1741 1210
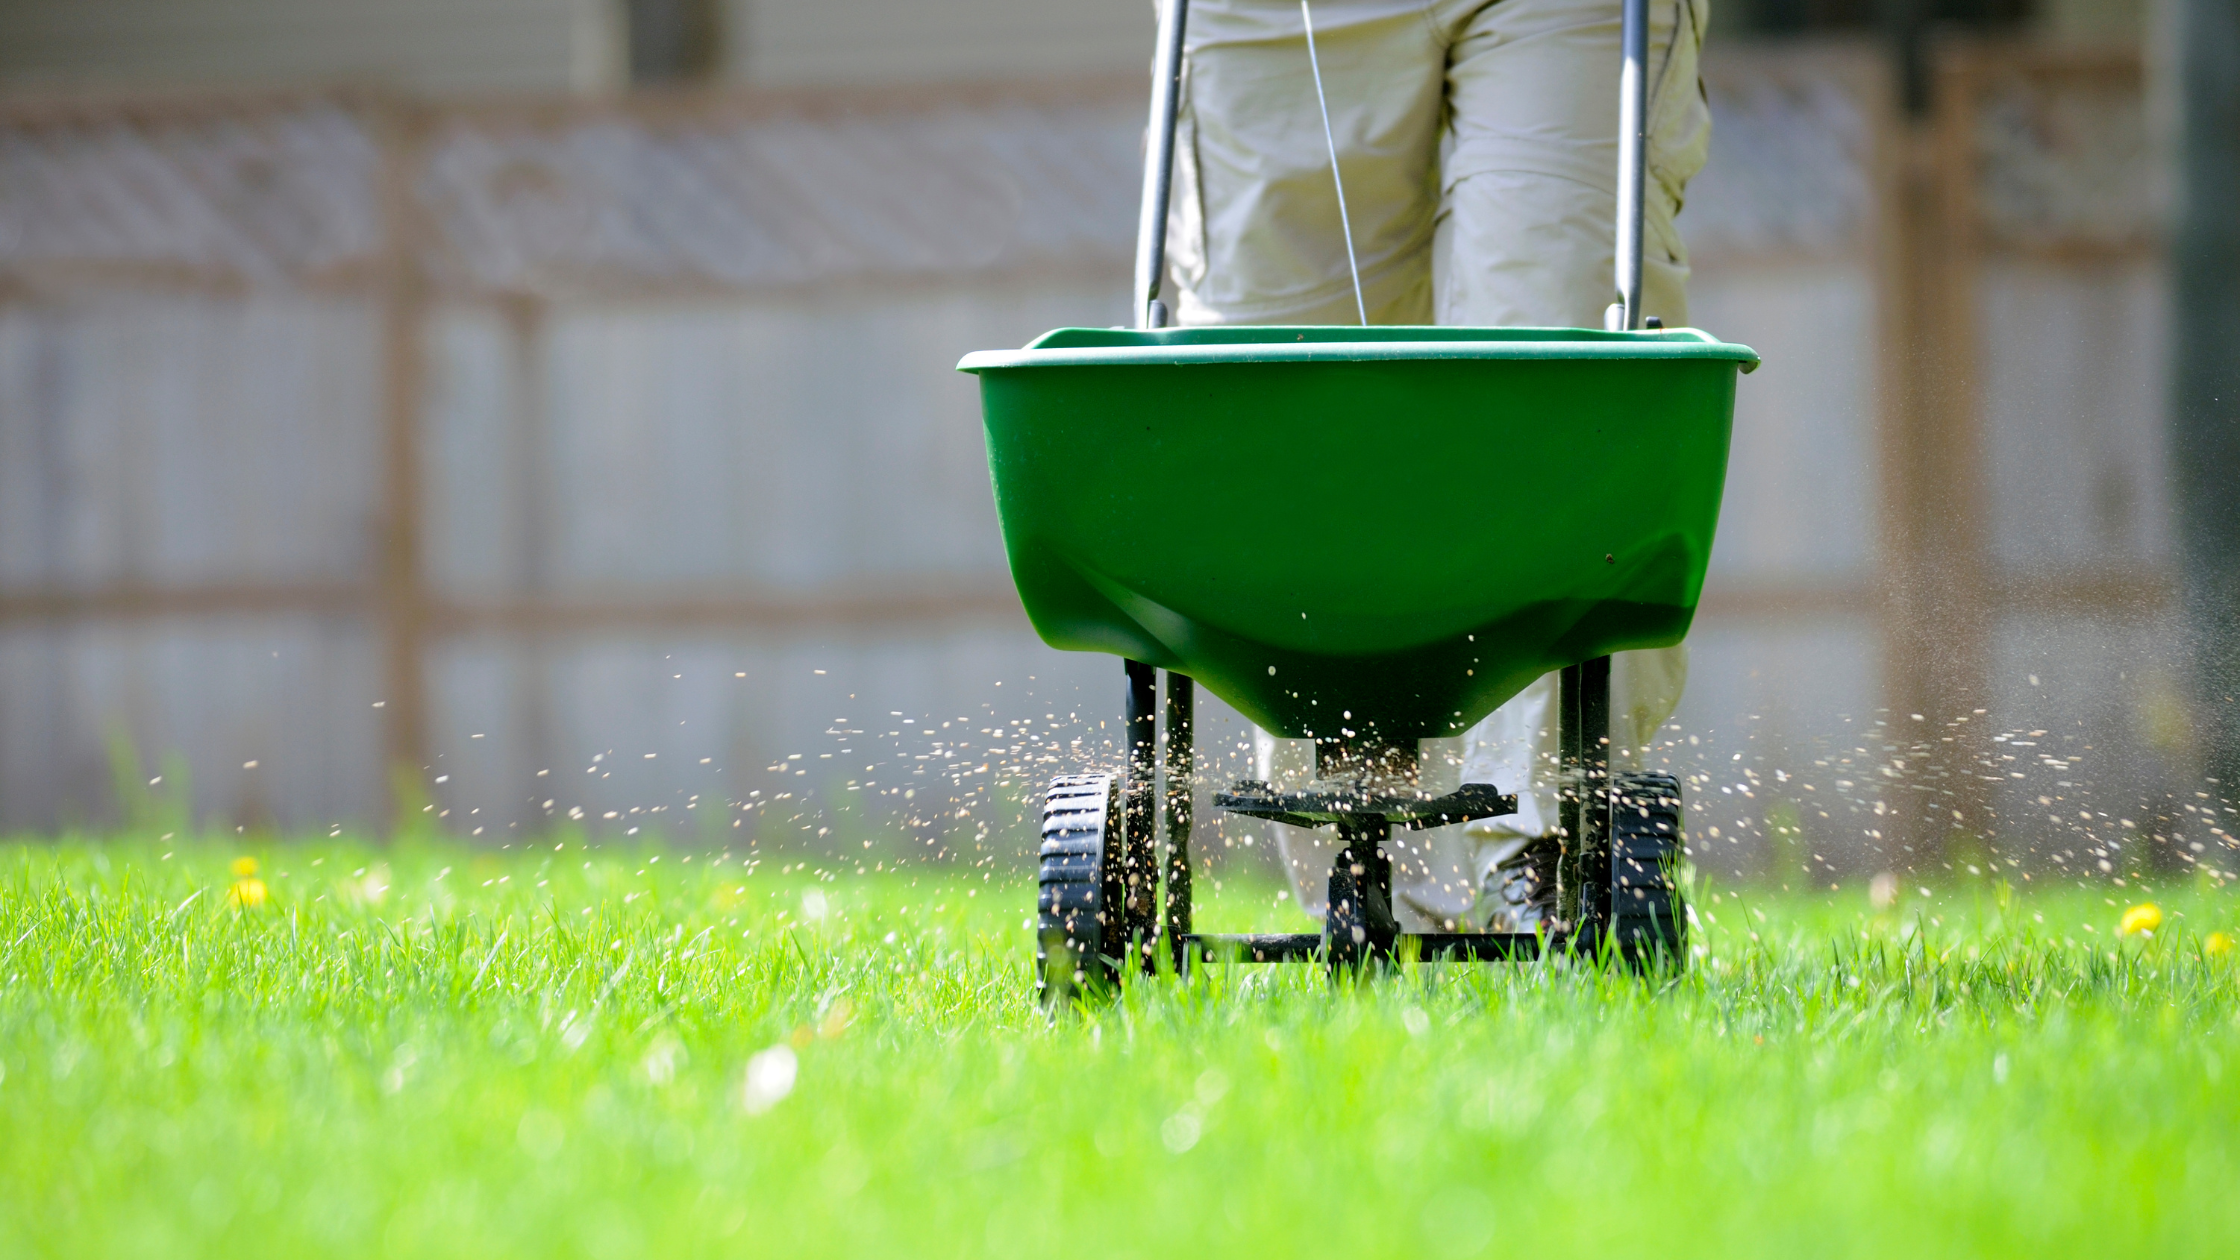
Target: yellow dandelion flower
244 866
2144 917
247 892
2216 945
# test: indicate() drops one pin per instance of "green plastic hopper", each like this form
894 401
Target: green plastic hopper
1360 533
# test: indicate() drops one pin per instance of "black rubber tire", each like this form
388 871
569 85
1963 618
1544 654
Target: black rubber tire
1081 897
1648 915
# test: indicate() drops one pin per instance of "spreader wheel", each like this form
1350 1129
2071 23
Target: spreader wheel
1647 916
1081 899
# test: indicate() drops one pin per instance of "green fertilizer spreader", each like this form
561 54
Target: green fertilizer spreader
1366 537
1410 524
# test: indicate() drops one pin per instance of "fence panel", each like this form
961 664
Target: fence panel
512 443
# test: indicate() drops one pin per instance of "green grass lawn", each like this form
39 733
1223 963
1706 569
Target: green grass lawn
429 1050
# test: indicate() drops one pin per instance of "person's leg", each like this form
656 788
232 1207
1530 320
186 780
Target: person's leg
1527 236
1255 237
1645 688
1527 225
1306 855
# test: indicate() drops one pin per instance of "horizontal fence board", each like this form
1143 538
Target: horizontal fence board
2073 401
180 439
1801 476
87 709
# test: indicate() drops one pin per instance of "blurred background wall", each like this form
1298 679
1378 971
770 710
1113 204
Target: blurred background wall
485 47
525 410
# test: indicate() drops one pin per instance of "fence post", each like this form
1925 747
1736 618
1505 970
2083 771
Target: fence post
401 580
2204 414
1936 576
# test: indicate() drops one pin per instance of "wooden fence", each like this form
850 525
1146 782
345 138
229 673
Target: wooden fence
488 422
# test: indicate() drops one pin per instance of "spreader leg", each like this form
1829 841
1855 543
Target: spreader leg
1140 858
1583 733
1181 770
1360 925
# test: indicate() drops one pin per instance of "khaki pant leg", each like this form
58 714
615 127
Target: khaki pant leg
1527 230
1515 228
1527 235
1256 236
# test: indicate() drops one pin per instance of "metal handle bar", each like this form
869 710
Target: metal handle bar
1158 166
1633 125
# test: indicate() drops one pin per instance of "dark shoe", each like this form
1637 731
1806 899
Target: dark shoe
1520 894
